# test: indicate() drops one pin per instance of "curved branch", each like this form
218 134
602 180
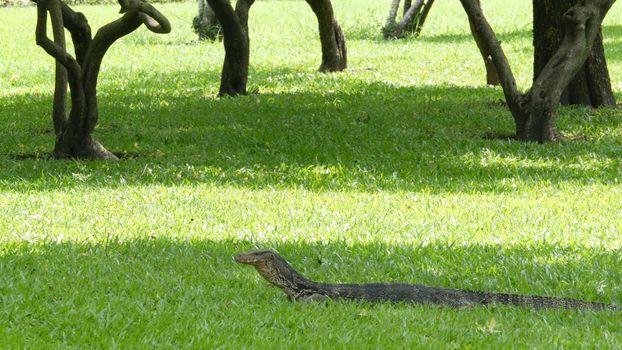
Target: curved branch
107 35
575 47
150 17
59 106
60 54
77 24
153 19
53 49
102 41
135 15
153 25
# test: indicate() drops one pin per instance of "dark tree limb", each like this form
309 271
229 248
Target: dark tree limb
78 107
492 77
52 48
102 41
77 24
485 35
59 105
390 22
334 50
424 16
234 24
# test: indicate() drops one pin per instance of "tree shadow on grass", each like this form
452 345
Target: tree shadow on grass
174 293
544 268
125 288
374 33
365 137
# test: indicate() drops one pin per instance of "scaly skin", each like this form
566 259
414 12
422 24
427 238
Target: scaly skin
279 273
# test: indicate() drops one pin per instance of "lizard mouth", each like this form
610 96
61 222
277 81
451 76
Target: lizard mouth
253 257
242 259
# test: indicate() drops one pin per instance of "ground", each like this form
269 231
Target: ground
380 173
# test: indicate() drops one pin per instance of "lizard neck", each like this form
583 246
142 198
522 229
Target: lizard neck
280 274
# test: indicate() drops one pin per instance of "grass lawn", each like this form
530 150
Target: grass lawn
380 173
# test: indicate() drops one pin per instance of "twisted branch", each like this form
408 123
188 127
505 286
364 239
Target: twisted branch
74 138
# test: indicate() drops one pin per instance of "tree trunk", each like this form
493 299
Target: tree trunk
415 14
390 22
591 86
534 112
74 138
234 22
409 21
424 15
492 77
412 22
334 51
59 106
205 24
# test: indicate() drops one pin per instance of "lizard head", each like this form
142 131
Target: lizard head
256 257
273 268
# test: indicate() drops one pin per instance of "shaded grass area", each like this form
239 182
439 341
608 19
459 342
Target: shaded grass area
368 137
381 173
163 293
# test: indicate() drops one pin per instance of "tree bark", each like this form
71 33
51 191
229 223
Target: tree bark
59 106
234 22
415 14
409 21
390 22
534 113
591 86
334 50
492 77
74 138
424 16
205 24
407 6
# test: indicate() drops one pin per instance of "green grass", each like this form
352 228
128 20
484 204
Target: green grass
379 173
